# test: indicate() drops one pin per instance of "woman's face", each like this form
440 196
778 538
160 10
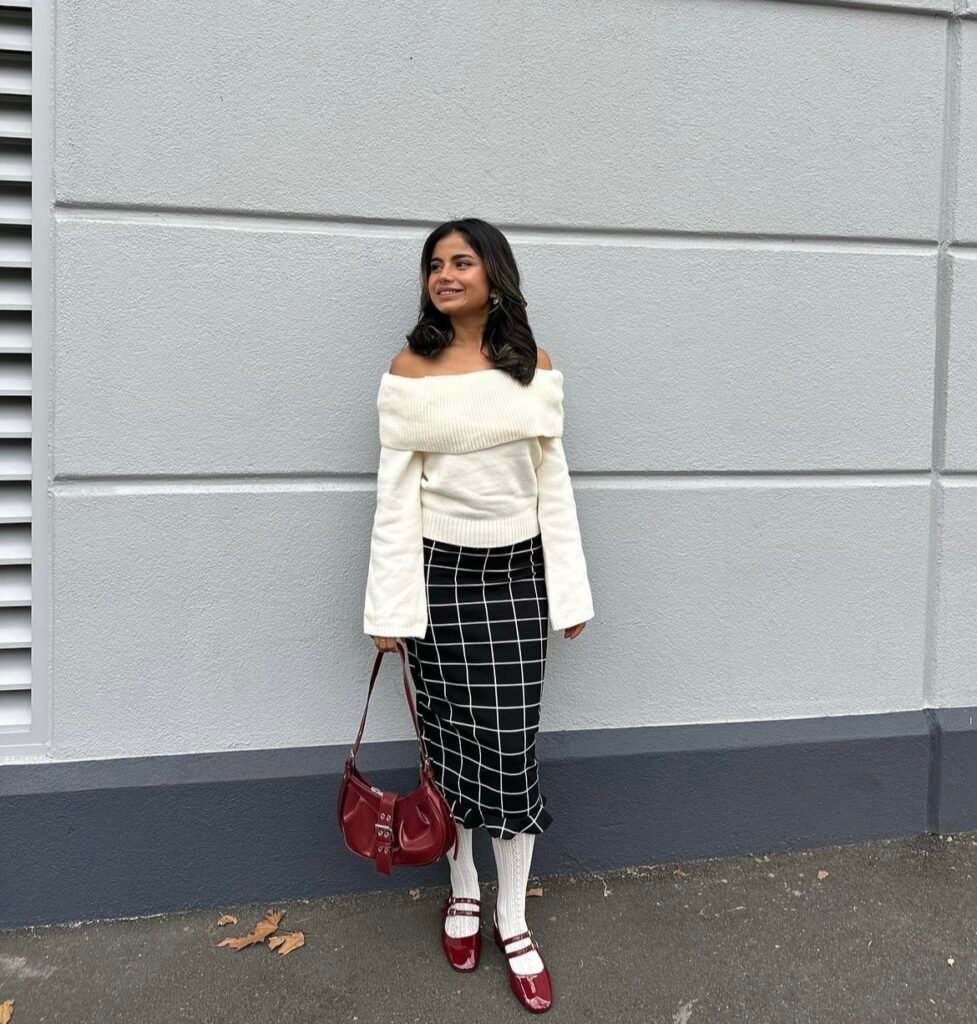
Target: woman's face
457 281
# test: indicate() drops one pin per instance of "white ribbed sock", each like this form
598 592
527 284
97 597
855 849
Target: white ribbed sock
464 882
512 858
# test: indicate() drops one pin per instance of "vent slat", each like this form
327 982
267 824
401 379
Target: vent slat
15 376
15 162
15 247
15 418
15 545
15 204
18 722
15 711
15 586
15 670
15 333
15 627
15 460
15 289
15 31
15 72
15 118
15 503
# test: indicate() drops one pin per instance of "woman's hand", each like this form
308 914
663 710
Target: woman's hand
385 643
573 631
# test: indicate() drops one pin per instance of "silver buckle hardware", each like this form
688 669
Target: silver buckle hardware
385 831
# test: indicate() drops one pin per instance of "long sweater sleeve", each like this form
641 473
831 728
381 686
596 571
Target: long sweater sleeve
567 584
396 602
457 458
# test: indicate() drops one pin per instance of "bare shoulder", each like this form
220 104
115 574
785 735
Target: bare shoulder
407 364
543 361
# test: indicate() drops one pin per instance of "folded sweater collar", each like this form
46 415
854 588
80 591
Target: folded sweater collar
464 412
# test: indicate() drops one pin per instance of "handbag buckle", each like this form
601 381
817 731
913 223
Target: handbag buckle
384 831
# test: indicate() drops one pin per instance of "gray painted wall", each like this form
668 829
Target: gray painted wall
747 232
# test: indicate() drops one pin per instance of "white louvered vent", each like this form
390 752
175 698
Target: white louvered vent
15 371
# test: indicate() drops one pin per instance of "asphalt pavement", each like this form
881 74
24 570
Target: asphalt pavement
876 932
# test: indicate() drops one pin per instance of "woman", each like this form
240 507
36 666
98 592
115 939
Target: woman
475 549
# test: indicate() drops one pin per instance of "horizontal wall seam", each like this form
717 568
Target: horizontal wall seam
366 481
908 7
161 217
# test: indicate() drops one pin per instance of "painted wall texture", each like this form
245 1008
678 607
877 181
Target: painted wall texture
748 236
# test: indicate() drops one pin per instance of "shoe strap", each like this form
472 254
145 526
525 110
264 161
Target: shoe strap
512 953
513 938
452 911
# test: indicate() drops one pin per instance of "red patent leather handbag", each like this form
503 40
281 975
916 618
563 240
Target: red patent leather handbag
416 828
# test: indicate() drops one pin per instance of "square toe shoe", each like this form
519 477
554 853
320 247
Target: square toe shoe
463 952
534 991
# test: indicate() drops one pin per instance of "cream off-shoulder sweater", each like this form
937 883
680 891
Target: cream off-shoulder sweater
475 459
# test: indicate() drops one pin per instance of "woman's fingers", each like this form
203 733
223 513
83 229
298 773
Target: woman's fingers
385 643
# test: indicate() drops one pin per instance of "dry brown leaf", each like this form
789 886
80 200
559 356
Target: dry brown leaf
822 874
414 893
287 942
226 919
537 891
261 931
6 1011
679 873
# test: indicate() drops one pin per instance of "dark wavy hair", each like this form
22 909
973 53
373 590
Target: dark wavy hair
507 335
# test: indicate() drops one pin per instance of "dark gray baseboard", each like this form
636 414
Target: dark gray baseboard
138 836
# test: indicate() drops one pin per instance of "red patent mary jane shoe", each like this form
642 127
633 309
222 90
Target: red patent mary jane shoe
534 991
463 952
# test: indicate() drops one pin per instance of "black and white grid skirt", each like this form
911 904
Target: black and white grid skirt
478 674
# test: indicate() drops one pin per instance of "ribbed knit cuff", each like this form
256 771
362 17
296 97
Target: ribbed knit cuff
479 533
395 629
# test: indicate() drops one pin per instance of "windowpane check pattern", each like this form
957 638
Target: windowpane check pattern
478 673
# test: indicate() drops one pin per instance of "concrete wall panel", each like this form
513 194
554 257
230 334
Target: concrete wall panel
703 115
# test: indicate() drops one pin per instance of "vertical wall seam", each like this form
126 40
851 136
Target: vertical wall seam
942 316
935 772
946 230
933 581
942 320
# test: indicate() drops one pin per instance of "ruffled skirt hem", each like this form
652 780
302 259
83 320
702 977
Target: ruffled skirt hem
498 825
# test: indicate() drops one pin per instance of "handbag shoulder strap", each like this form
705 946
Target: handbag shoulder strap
410 703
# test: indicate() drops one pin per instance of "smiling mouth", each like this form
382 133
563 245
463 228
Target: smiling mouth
449 292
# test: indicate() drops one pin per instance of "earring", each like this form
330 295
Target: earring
496 298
